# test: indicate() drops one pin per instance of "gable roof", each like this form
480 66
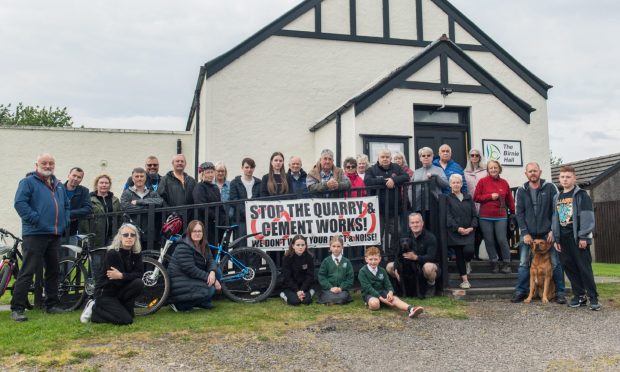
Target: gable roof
591 171
442 48
217 64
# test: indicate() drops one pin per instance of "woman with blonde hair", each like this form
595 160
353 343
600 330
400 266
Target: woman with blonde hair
104 202
119 282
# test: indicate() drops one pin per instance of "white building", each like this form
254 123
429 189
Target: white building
356 75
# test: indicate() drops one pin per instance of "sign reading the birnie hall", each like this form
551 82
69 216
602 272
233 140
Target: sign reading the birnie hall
355 219
508 153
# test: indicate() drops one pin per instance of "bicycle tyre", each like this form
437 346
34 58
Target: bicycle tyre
155 255
4 277
72 278
156 290
257 285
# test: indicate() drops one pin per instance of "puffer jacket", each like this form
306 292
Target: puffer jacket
43 208
189 270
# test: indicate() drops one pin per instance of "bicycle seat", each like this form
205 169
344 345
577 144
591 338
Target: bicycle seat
4 249
231 227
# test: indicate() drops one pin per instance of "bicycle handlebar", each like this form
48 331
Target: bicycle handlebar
6 232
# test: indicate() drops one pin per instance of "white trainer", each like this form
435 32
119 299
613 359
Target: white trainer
88 312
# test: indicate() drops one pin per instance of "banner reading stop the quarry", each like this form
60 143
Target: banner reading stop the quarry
356 219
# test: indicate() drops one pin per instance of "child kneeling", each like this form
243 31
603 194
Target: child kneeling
376 286
335 275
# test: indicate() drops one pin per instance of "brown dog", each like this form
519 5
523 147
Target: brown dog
541 272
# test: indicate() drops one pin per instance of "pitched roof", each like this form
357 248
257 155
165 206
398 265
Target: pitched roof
220 62
440 47
591 171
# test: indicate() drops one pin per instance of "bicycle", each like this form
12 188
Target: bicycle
9 266
78 274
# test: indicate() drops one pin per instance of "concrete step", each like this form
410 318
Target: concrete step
479 293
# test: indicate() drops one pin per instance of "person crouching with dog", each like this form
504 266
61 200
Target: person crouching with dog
573 222
417 252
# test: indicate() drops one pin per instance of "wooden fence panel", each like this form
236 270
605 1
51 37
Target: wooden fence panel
607 232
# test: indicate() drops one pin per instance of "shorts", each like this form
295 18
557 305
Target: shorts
368 297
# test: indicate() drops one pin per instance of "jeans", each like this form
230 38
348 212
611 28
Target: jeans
523 277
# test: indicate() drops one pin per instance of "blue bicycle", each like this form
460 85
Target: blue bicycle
247 274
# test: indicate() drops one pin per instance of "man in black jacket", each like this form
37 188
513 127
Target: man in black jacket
390 176
416 258
176 187
534 210
79 198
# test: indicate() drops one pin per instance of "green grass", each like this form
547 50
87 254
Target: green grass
603 269
63 334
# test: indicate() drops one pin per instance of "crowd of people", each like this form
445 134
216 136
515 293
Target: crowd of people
479 205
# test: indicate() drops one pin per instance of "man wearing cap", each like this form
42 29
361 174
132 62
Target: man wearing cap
176 187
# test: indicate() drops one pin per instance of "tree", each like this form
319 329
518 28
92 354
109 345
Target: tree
34 116
555 160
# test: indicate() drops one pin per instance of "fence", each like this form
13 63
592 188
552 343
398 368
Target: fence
606 235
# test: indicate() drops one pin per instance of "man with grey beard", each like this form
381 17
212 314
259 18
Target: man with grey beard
42 203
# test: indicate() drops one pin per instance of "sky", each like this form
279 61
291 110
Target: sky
134 64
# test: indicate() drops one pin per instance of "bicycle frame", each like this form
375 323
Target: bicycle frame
10 256
222 250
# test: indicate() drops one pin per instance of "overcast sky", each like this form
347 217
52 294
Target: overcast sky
134 64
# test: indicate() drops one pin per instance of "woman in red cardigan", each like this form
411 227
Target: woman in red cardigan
495 197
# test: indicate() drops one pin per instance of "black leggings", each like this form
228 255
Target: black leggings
464 254
292 299
118 309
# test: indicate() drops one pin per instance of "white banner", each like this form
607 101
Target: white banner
356 219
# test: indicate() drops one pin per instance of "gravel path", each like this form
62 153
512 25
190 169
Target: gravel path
497 336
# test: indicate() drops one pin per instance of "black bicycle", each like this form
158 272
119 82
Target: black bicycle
9 266
76 279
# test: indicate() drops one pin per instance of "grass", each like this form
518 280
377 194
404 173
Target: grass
603 269
57 340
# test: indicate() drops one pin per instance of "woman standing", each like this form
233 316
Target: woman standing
207 192
120 281
475 170
103 201
362 165
275 182
399 159
461 222
220 180
192 271
357 182
495 197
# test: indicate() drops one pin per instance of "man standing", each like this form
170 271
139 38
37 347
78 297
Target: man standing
419 249
79 198
450 167
325 176
152 174
390 176
297 176
534 211
176 187
43 206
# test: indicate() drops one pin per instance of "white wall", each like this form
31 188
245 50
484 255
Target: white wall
115 152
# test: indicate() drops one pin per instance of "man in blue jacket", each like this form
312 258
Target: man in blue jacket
41 202
79 198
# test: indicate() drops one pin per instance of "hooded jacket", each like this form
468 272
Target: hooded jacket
43 207
583 216
535 224
189 270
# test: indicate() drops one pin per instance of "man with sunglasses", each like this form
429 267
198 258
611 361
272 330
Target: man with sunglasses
427 171
152 174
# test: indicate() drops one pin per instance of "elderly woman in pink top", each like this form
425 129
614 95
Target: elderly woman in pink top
475 170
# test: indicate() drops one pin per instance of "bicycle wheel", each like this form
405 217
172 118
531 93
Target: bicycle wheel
156 288
72 279
5 272
155 255
248 275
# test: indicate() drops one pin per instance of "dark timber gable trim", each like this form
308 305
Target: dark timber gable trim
444 49
454 15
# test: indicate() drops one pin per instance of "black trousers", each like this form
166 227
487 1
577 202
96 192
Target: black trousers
464 254
292 299
577 264
37 250
118 308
